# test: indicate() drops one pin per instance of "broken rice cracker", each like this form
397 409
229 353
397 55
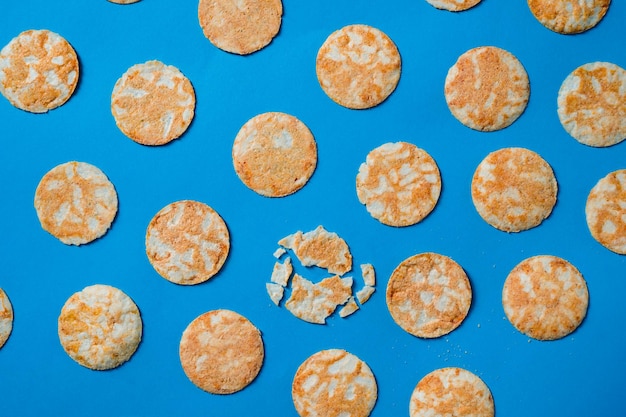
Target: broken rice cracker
315 302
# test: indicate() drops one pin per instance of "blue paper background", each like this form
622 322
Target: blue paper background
581 374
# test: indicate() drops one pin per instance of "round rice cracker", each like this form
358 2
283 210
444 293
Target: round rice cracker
429 295
487 88
569 16
124 1
38 71
187 242
545 297
221 352
240 27
6 317
274 154
153 103
76 202
334 382
399 184
592 104
358 66
453 5
514 189
451 392
606 211
100 327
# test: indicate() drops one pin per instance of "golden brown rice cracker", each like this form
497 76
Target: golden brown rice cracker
399 184
514 189
606 211
153 103
451 392
38 71
453 5
569 16
487 88
545 297
358 66
428 295
320 248
592 104
6 317
240 27
75 202
100 327
187 242
315 302
221 352
334 382
274 154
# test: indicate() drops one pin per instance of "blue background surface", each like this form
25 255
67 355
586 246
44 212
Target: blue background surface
581 374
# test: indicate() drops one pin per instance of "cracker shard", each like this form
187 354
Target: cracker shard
364 294
320 248
349 308
275 291
315 302
368 274
282 272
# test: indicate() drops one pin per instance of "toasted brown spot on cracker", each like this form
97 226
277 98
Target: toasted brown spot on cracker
6 317
569 16
358 66
606 211
221 352
545 297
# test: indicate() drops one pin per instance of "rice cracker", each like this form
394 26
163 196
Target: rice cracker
453 5
451 392
428 295
606 211
514 189
358 66
334 382
221 352
75 202
569 16
240 27
187 242
6 317
38 71
274 154
313 303
487 88
399 184
545 297
592 104
153 103
124 1
100 327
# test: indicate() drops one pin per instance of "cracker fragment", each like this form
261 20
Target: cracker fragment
487 88
368 274
282 272
75 202
399 184
605 211
453 5
6 317
153 103
364 294
240 27
334 382
221 352
349 308
38 71
274 154
451 392
275 291
100 327
428 295
315 302
592 104
514 189
320 248
358 66
279 252
545 297
569 16
187 242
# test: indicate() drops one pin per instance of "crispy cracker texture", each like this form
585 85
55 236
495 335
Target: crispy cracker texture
38 71
6 317
75 202
605 211
221 352
545 297
358 66
334 382
569 16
